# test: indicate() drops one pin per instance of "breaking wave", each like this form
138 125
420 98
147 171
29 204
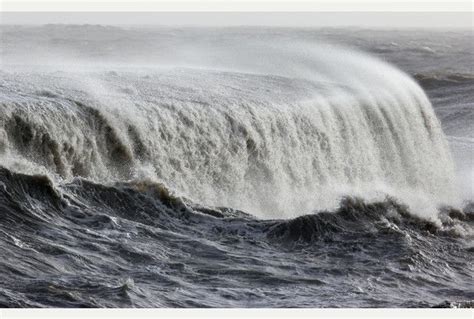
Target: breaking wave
275 142
448 79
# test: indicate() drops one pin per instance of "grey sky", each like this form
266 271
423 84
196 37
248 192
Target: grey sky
304 19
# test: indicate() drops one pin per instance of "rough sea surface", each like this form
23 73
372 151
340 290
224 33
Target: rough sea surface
236 167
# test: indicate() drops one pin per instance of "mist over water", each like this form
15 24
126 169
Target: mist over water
215 167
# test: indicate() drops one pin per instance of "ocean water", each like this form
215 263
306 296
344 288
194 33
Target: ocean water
236 167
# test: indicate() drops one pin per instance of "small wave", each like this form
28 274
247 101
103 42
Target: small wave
360 218
456 304
47 93
435 80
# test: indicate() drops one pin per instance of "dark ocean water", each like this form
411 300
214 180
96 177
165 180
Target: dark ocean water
306 176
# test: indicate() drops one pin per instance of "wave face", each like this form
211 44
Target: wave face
276 142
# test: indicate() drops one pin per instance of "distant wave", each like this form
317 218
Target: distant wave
434 80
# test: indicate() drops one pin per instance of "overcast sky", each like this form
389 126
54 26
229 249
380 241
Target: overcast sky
365 13
362 19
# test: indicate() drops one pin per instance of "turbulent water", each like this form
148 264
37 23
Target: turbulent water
239 167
